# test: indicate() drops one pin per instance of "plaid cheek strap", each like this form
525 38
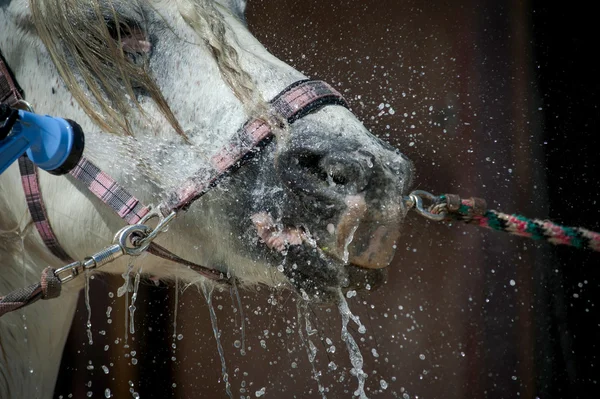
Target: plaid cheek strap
294 102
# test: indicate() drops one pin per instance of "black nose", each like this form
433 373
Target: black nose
325 175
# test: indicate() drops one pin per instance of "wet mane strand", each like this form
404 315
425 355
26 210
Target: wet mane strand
103 78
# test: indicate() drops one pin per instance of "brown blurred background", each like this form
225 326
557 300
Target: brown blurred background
496 99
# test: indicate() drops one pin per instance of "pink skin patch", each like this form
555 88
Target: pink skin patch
136 42
357 228
356 208
275 236
376 240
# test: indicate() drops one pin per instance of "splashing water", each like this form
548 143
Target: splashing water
21 235
356 357
347 243
126 339
88 324
243 326
132 307
311 349
174 344
213 321
126 277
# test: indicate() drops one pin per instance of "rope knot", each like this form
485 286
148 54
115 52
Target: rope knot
50 284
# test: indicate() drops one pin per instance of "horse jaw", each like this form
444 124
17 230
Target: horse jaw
218 231
204 234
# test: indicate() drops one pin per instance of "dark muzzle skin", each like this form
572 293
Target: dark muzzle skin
325 206
350 193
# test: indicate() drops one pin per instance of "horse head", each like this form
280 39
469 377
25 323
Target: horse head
158 88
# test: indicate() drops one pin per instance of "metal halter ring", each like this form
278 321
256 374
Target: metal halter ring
415 200
125 239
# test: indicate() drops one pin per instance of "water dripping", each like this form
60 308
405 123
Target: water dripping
132 307
347 243
243 327
88 324
356 357
126 345
122 290
174 344
213 321
311 349
21 235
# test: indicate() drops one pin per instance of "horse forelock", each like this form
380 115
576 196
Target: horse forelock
101 75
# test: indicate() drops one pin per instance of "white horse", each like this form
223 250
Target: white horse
158 88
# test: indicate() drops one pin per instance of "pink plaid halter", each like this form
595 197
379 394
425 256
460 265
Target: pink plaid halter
294 102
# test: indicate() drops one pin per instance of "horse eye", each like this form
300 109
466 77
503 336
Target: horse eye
132 37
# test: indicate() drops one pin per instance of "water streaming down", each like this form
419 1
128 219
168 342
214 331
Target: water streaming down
123 290
356 357
347 243
132 307
126 278
243 325
21 235
174 344
88 324
311 349
213 320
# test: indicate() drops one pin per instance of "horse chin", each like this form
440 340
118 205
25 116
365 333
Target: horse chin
318 275
320 278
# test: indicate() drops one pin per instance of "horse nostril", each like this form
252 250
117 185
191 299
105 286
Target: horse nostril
343 171
310 163
324 174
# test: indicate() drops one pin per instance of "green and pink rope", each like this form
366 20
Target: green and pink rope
473 211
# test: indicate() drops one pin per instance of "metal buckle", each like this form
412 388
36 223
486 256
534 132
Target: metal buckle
130 240
415 200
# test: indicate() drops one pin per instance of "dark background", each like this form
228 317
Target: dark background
496 99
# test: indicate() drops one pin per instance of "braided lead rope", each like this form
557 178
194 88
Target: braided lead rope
474 211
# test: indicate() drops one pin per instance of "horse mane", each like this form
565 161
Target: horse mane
101 75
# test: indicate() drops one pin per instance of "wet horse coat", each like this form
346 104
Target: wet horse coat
183 77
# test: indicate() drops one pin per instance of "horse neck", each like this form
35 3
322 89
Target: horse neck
31 339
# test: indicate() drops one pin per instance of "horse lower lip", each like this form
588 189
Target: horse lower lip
363 236
365 278
373 248
274 236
